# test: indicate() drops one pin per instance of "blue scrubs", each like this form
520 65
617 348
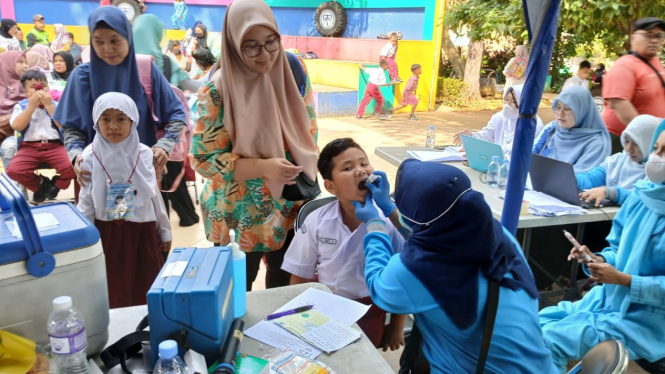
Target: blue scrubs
517 343
634 315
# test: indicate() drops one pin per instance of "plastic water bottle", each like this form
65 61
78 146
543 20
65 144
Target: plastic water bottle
169 362
239 278
503 174
66 331
431 139
493 172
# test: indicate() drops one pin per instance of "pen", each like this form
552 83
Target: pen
577 245
289 312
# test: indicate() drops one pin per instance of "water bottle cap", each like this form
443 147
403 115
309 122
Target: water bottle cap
495 159
62 303
232 235
431 127
168 349
506 161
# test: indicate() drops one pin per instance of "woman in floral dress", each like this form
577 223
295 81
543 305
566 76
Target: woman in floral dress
255 132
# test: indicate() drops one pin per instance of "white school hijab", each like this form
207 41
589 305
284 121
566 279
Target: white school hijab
119 159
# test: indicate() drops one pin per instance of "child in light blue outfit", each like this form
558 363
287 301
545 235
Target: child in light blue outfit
180 14
615 177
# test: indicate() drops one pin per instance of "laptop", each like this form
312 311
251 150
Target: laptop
479 152
557 179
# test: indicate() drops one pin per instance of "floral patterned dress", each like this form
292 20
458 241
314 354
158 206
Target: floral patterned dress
261 219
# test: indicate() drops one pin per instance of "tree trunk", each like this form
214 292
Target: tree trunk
449 49
472 70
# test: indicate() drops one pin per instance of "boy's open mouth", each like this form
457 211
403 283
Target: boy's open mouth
362 185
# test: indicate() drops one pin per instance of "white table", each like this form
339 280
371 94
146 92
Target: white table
358 357
397 155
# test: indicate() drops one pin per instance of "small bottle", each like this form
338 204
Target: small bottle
169 362
430 144
66 331
239 278
503 174
493 172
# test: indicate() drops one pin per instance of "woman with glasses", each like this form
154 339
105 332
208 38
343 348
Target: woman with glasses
578 135
501 127
8 30
255 133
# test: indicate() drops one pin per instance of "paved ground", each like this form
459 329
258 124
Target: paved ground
369 133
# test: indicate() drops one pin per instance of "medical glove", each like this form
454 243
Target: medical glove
381 193
366 212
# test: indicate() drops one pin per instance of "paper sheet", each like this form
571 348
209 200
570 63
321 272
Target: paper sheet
336 307
301 323
436 156
332 336
44 221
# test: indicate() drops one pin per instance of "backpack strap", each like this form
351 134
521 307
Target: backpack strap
167 67
491 307
298 72
635 54
144 63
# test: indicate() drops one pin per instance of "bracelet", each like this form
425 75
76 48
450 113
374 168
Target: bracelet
607 192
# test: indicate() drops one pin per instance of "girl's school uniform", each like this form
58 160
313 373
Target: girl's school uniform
124 202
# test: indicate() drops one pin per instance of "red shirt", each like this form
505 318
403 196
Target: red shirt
631 79
105 2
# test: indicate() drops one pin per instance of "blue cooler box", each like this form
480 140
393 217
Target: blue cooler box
193 293
36 266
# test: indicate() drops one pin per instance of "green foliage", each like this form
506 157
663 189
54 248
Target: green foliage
452 93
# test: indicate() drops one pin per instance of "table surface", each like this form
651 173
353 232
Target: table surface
358 357
397 155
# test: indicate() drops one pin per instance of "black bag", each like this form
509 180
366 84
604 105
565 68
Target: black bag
304 189
662 81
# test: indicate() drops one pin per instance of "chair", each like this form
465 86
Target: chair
309 207
657 367
608 357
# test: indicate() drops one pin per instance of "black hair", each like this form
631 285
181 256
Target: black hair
204 58
71 36
585 65
383 62
173 43
415 67
119 197
33 75
332 150
601 66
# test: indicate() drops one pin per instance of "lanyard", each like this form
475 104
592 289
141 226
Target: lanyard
107 173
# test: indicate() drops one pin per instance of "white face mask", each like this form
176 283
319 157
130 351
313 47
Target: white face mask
509 112
655 169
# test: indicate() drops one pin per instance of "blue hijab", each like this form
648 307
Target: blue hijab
587 144
447 254
91 80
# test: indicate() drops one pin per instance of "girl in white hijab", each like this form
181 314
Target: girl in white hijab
124 202
501 127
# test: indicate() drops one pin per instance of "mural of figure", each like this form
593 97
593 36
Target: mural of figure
180 14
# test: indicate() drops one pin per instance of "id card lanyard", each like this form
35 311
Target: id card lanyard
107 173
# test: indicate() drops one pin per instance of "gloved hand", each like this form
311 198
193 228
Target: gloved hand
381 193
367 212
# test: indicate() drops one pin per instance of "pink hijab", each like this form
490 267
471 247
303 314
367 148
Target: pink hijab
44 51
35 60
263 113
11 90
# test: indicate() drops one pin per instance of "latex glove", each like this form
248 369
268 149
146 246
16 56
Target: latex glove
381 193
366 212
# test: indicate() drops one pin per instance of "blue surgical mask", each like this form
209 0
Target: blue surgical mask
403 223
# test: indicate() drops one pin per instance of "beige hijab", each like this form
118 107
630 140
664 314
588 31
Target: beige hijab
263 113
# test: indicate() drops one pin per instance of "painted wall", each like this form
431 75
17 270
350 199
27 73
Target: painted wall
367 18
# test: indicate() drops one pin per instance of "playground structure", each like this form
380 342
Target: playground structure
336 76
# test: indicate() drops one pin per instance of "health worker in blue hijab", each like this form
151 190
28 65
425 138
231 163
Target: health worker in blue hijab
112 68
630 304
442 275
578 136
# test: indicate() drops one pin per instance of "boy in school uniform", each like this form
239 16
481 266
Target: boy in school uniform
377 78
409 95
39 140
330 241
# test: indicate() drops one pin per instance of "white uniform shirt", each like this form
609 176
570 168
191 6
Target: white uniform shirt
41 127
377 76
388 50
575 81
10 44
324 244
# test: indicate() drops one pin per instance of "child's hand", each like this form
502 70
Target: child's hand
393 337
165 247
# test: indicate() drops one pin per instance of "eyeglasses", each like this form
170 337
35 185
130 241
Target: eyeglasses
651 36
255 50
565 110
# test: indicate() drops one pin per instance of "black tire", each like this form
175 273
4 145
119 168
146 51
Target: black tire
330 19
131 8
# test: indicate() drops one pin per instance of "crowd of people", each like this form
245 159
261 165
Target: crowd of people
120 127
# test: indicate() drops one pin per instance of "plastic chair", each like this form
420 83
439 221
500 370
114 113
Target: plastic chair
608 357
311 206
657 367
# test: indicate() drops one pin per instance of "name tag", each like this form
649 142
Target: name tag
326 240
